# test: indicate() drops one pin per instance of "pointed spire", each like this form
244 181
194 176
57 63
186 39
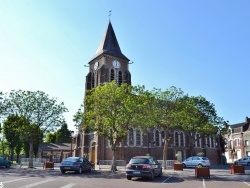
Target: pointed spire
109 44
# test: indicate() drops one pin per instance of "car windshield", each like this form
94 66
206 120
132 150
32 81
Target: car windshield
139 161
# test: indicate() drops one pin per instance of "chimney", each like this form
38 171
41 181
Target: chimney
247 120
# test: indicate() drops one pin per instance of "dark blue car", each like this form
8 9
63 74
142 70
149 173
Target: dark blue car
143 166
77 164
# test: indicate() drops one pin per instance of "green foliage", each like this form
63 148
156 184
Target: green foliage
111 110
37 107
63 135
11 130
78 117
50 137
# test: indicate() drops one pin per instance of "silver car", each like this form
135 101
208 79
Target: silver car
195 161
243 161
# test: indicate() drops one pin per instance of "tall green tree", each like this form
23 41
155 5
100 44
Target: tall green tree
110 110
198 115
64 135
12 134
163 112
42 112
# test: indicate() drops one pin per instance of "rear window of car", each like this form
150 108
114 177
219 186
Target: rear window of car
139 161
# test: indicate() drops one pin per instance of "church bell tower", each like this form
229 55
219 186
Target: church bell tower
108 63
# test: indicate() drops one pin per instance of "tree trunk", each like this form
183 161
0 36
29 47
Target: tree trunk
113 165
31 155
165 149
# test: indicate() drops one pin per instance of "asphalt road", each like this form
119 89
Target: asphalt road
39 178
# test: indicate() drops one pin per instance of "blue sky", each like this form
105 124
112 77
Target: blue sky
199 46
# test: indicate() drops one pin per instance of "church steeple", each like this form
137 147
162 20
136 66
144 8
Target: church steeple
109 45
108 63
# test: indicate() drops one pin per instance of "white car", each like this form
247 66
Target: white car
243 161
195 161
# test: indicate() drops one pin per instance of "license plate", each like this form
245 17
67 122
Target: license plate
136 172
67 168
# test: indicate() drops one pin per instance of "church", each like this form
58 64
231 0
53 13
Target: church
109 63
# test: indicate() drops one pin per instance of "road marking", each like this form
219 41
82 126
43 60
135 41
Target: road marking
246 183
13 180
167 179
68 185
204 185
37 183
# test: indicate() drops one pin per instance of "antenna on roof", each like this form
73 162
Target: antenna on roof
110 12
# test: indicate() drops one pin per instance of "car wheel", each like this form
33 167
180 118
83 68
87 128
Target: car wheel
7 165
160 174
79 171
184 166
63 171
152 176
248 164
129 177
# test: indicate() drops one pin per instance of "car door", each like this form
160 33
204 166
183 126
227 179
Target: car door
188 161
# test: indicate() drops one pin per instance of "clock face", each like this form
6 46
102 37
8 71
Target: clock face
116 64
96 65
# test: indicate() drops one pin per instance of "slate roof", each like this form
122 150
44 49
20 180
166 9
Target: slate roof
237 125
55 146
109 45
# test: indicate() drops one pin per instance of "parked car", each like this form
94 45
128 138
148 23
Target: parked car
143 166
5 162
77 164
243 161
195 161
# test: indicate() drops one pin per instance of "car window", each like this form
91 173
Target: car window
205 158
139 161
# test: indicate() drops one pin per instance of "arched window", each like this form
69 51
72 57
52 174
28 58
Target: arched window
157 138
138 137
176 138
181 139
197 140
112 75
119 77
212 142
207 141
131 137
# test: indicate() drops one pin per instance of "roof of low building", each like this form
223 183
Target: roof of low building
56 146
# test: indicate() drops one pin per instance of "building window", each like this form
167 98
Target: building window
237 142
176 138
112 75
197 140
157 138
162 137
230 144
246 143
131 137
138 137
119 77
181 139
92 80
207 141
212 142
